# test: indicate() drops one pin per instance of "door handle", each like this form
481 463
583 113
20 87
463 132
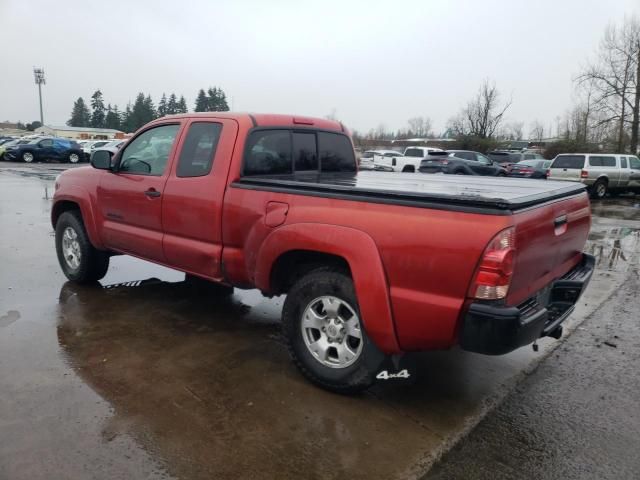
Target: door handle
152 192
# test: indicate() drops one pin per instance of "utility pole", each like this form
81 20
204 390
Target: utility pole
38 74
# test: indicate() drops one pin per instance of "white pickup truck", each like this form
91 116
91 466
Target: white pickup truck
408 162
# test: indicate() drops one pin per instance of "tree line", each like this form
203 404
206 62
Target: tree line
142 110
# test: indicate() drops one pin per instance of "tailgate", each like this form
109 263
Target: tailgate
567 167
549 242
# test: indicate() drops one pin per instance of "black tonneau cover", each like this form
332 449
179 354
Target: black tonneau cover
493 195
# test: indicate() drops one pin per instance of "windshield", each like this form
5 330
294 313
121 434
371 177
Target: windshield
568 161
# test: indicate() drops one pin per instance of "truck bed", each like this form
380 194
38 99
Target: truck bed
476 194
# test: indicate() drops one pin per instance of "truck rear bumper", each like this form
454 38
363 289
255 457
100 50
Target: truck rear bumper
498 329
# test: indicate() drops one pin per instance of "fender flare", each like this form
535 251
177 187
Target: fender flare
80 196
362 255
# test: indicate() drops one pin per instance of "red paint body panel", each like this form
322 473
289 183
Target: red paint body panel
412 267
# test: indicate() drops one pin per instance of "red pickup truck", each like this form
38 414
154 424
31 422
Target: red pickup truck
373 264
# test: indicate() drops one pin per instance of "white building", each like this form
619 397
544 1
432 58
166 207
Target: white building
80 133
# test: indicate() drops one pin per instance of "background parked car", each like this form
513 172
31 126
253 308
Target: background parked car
451 162
409 161
43 149
10 143
602 172
368 157
529 169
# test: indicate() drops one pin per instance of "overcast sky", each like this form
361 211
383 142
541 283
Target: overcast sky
372 62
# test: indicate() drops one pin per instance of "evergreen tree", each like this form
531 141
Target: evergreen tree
172 104
126 119
203 104
222 105
80 115
112 119
149 109
212 99
182 105
98 114
162 106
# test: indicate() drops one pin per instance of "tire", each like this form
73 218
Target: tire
361 359
459 172
202 285
599 189
409 169
80 261
27 157
74 158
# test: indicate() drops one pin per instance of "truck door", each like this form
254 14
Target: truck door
130 198
625 172
634 173
193 197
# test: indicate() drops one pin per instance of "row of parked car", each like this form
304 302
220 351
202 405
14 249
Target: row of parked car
43 148
602 173
457 162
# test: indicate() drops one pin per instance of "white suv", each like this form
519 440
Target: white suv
600 172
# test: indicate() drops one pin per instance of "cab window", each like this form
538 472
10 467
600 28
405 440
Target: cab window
268 153
634 163
148 153
623 162
336 153
198 150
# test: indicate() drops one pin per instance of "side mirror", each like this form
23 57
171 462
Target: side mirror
101 160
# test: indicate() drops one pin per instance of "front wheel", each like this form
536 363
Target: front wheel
80 261
325 334
74 158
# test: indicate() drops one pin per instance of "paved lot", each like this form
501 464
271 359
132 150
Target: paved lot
143 378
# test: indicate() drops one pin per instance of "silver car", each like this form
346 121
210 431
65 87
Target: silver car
600 172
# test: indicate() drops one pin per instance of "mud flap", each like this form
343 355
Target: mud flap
397 369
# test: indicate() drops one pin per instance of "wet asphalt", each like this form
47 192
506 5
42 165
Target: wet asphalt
140 376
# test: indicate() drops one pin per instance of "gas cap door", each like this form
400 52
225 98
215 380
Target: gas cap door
276 213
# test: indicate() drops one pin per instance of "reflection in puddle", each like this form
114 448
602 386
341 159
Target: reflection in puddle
614 248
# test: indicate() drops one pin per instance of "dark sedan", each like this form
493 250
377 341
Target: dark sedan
461 162
529 169
44 149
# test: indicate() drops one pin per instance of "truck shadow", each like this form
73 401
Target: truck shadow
206 383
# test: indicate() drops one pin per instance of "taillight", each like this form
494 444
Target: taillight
444 162
393 161
493 276
584 174
548 173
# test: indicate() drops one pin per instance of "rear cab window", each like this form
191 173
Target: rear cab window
413 152
284 151
569 161
602 161
623 162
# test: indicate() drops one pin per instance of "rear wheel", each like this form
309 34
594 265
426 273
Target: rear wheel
80 261
459 172
409 169
599 189
74 158
325 335
27 157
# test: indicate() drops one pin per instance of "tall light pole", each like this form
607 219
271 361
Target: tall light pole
38 74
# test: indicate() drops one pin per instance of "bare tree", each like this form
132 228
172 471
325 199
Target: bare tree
483 114
515 130
536 132
614 80
419 127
